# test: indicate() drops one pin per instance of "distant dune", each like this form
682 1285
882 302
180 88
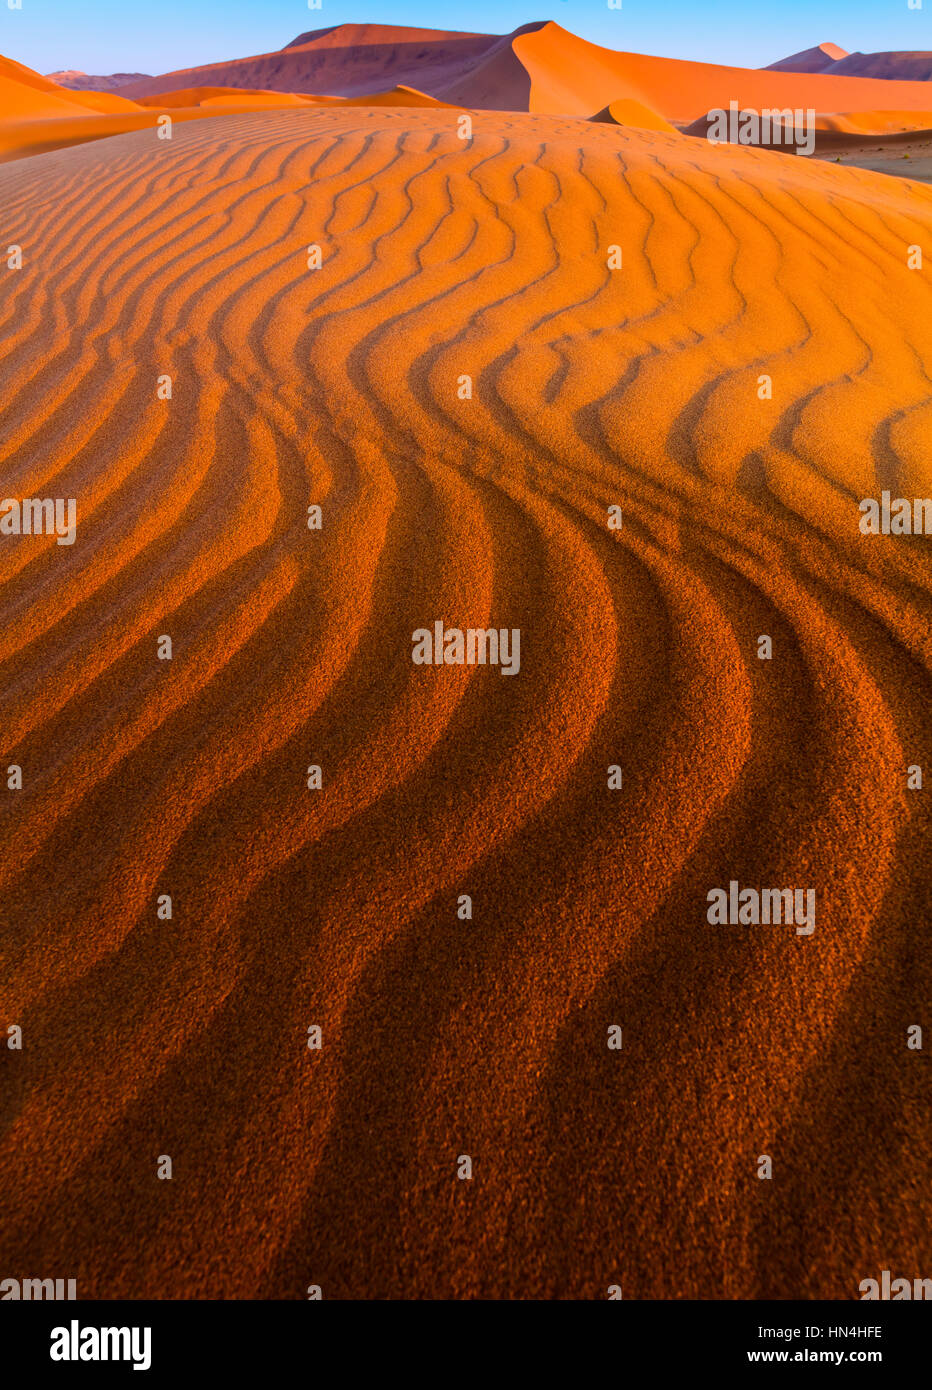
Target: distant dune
891 67
828 58
80 81
353 60
818 59
340 907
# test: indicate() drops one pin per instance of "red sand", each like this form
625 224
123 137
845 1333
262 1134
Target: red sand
338 907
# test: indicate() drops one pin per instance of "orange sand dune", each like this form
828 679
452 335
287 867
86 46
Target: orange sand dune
627 112
575 77
107 102
37 116
26 95
337 907
875 122
12 71
23 101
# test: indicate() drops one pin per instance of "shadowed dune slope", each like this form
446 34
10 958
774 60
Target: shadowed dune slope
355 59
337 907
498 81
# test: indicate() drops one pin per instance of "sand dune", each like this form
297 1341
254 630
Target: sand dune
81 81
905 67
351 60
338 907
875 122
828 58
26 95
38 116
634 113
572 76
818 59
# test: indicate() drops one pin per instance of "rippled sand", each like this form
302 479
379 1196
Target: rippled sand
338 907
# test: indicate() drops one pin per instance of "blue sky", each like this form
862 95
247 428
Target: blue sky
102 36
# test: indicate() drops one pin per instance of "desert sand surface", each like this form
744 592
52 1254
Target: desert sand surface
909 156
338 907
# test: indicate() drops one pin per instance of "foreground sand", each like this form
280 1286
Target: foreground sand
338 906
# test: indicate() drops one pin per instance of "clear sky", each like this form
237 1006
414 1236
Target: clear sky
103 36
